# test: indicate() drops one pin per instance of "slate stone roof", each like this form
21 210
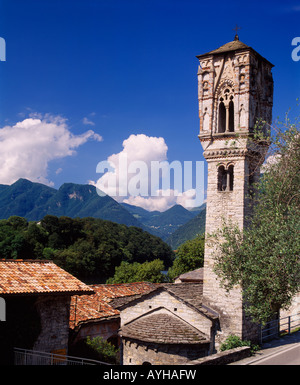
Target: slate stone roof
97 307
192 276
234 45
162 328
20 277
231 46
190 293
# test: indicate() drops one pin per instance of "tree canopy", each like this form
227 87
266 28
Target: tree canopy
139 272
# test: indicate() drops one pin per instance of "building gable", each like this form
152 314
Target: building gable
163 299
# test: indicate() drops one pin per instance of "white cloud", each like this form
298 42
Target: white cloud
127 175
151 203
27 147
87 122
138 150
165 200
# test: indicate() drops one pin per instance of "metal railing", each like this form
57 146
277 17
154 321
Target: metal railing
278 327
33 357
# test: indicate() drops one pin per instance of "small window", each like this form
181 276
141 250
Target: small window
222 179
225 178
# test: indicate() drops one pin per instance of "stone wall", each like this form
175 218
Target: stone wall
225 206
105 329
226 357
138 353
54 318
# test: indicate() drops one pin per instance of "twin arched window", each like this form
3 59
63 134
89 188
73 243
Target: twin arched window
225 178
226 111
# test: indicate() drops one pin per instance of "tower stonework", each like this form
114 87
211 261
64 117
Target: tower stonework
235 89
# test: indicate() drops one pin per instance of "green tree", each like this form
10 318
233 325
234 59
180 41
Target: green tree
18 223
264 258
7 237
78 259
48 253
189 256
139 272
151 271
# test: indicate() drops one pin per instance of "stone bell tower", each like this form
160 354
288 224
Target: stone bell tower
235 89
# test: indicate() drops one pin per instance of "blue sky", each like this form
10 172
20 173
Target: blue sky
121 68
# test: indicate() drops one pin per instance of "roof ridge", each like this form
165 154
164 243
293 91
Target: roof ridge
26 260
234 45
229 46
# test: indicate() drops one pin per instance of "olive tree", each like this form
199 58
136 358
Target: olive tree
263 258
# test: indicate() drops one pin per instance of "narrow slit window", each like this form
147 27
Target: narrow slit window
222 117
231 116
230 177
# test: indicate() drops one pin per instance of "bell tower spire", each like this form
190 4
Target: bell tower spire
235 89
236 28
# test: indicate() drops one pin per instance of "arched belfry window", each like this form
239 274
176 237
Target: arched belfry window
222 117
225 178
226 111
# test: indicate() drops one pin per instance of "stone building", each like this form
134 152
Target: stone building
37 296
168 325
235 91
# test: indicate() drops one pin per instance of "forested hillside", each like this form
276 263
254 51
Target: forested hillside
188 231
89 248
35 200
162 224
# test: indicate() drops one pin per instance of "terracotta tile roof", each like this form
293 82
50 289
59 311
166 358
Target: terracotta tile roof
163 328
97 306
19 276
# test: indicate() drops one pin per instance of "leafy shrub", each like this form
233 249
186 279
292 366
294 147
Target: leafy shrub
106 351
232 342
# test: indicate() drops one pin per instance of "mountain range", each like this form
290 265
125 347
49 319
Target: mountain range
35 200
